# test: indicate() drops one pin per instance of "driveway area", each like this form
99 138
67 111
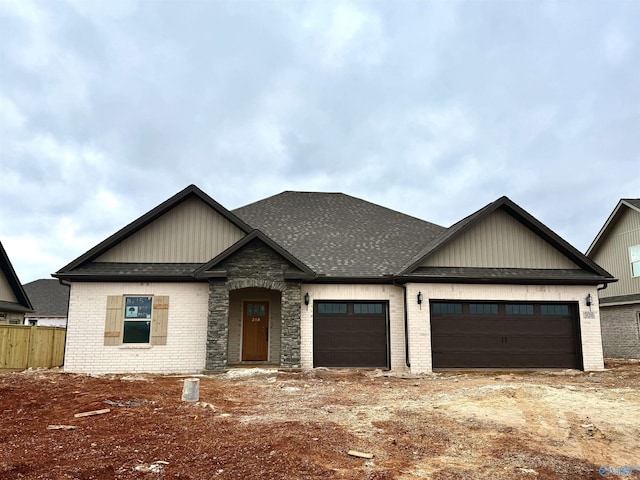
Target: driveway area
325 424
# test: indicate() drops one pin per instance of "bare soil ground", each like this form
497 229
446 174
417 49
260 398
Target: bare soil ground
261 424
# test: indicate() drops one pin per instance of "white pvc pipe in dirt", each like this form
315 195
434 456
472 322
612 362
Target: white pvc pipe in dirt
191 390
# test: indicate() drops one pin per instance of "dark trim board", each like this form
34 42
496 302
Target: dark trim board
484 334
351 334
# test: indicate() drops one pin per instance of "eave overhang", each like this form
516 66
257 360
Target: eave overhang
13 307
83 277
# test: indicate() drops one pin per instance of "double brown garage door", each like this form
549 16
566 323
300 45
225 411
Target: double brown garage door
350 334
505 335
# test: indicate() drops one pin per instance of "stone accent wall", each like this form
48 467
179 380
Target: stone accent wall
254 266
217 326
621 331
290 346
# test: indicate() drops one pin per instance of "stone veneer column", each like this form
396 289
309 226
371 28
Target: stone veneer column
217 326
290 336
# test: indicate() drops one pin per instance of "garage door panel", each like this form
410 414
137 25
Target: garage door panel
353 334
465 342
496 360
352 359
502 340
365 342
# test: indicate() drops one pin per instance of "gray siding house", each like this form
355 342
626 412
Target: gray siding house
306 279
617 249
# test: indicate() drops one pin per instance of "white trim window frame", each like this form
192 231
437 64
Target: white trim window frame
136 325
634 256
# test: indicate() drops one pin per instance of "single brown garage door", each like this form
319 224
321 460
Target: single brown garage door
350 334
505 335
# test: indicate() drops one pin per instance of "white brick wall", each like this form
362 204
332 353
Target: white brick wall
186 338
390 293
419 326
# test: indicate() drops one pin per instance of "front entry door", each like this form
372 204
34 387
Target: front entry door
255 331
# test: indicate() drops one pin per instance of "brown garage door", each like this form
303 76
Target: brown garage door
505 335
350 334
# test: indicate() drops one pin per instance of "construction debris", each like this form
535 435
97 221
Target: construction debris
355 453
92 413
61 427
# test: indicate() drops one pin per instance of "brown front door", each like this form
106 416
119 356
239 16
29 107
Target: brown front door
255 331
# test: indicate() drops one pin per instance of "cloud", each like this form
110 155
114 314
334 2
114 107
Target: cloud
344 33
431 108
616 47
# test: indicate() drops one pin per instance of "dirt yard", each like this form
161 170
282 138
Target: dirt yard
261 424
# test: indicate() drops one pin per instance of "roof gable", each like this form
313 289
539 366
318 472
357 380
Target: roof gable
120 246
513 229
498 240
210 270
624 206
12 295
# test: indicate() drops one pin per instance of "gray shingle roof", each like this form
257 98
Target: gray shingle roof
505 275
633 201
338 235
136 270
633 297
49 297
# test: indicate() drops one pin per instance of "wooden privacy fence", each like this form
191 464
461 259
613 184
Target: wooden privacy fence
24 346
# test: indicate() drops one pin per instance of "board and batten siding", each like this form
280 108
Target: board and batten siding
499 241
6 292
613 255
185 347
192 232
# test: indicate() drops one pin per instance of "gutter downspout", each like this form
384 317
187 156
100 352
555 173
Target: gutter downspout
407 361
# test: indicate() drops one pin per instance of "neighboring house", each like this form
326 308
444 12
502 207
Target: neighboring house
14 302
304 280
50 300
617 248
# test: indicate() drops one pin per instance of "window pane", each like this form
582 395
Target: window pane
136 332
635 267
360 308
335 308
483 308
446 308
560 310
519 309
138 307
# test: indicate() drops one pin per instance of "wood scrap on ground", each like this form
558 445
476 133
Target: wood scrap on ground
61 427
355 453
92 413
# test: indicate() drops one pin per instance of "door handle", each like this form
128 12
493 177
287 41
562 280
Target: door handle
266 331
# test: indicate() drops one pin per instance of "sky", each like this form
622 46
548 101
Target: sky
431 108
